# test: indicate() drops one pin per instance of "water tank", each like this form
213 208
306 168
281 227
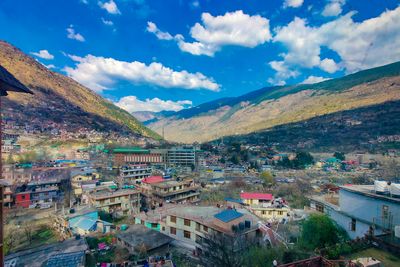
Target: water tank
395 190
381 187
241 226
247 224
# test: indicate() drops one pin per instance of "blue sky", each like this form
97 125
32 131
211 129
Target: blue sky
169 54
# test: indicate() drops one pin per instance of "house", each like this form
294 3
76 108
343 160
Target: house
7 193
80 223
362 209
265 206
23 199
134 173
139 240
175 191
137 155
79 177
191 224
120 201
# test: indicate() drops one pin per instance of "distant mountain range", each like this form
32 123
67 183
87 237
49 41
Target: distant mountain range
61 100
269 107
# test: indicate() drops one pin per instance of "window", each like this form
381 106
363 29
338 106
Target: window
197 227
263 212
112 200
173 219
186 234
280 212
385 211
353 225
319 208
172 231
205 228
154 225
186 222
198 239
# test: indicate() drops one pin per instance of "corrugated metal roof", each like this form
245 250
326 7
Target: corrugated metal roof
133 150
228 215
262 196
153 179
66 260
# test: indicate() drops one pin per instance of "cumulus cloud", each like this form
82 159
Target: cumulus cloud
107 22
314 79
43 54
99 73
333 8
359 45
132 104
71 34
293 3
111 7
232 28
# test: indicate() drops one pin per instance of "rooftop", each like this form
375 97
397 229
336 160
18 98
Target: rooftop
260 196
131 150
153 180
369 191
171 183
103 194
138 235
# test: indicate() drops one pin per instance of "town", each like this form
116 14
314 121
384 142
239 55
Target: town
185 204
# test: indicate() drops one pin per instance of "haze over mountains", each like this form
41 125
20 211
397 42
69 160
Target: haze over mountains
60 99
273 106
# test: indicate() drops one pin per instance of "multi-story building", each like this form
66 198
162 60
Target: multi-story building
134 173
182 156
137 155
122 201
265 206
16 175
82 176
191 224
175 191
361 209
44 191
7 193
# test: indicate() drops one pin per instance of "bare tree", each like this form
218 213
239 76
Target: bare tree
28 229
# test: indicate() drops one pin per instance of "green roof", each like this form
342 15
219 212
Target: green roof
137 150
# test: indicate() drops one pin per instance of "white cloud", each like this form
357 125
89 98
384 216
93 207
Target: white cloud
233 28
195 4
111 7
333 8
74 35
85 2
293 3
152 27
329 65
132 104
99 73
314 79
43 54
107 22
359 45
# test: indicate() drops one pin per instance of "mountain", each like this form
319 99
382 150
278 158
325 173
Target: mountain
147 117
272 106
61 100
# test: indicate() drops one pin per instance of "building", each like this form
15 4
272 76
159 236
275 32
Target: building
185 191
360 210
265 206
120 202
191 224
80 223
182 156
7 193
82 176
133 174
139 240
45 191
137 155
16 175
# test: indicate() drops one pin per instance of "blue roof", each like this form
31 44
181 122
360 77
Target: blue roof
236 200
228 215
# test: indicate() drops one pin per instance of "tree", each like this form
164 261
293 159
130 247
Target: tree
223 250
303 159
28 230
267 178
319 231
339 155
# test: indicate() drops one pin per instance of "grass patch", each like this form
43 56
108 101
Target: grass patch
387 259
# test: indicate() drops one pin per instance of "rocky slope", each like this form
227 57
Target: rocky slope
60 99
273 106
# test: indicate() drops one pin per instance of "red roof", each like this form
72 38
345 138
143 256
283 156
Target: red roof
153 179
262 196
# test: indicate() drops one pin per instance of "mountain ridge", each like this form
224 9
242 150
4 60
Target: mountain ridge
55 93
272 106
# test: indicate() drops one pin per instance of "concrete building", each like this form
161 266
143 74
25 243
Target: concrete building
191 224
361 210
137 155
182 156
186 191
121 201
265 206
133 174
